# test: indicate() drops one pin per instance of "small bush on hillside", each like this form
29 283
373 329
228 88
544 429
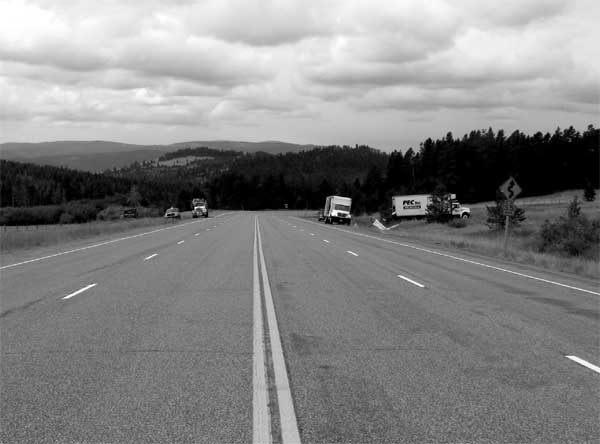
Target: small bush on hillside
574 209
80 212
589 193
65 218
439 210
149 212
573 235
112 212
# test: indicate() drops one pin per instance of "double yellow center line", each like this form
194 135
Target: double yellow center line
262 429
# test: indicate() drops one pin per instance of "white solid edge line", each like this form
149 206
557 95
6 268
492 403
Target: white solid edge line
352 253
151 256
492 267
584 363
79 291
261 425
287 415
100 244
411 281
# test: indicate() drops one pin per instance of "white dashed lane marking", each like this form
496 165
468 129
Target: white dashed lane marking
584 363
69 296
464 260
326 241
180 242
352 253
411 281
97 245
151 256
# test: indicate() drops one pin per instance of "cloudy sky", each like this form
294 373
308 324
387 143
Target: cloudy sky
384 73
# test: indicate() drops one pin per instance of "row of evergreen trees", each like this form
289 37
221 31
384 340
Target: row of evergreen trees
472 167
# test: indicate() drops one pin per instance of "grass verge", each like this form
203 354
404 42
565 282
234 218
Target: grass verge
14 239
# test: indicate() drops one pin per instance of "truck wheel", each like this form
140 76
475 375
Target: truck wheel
465 215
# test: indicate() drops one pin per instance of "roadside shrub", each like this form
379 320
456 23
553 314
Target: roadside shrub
149 212
574 209
112 212
458 223
80 212
439 210
65 218
589 193
573 235
39 215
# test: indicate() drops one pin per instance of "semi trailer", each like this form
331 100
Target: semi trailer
415 206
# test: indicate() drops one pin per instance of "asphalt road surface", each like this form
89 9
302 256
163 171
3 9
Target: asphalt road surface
264 327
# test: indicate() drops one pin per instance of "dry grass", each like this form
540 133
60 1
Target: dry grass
21 238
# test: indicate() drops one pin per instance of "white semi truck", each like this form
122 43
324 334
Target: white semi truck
337 209
415 206
199 208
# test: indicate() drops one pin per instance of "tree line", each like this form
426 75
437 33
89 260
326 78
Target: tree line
472 167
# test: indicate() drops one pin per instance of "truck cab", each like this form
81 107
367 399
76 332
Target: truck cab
459 211
199 208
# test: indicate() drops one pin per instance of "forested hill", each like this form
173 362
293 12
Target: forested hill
472 167
97 156
476 164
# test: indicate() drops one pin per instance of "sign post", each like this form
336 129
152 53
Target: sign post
510 189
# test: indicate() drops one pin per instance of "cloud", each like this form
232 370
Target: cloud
515 12
277 64
259 23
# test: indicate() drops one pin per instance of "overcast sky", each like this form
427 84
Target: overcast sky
384 73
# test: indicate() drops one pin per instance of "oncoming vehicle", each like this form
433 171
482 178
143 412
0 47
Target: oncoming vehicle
199 208
172 213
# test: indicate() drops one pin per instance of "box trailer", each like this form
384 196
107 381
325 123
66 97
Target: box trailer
415 206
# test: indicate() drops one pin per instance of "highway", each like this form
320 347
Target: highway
267 327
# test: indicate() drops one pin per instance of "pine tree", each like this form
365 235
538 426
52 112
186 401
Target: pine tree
589 193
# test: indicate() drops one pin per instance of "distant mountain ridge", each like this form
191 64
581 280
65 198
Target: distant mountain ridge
99 155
